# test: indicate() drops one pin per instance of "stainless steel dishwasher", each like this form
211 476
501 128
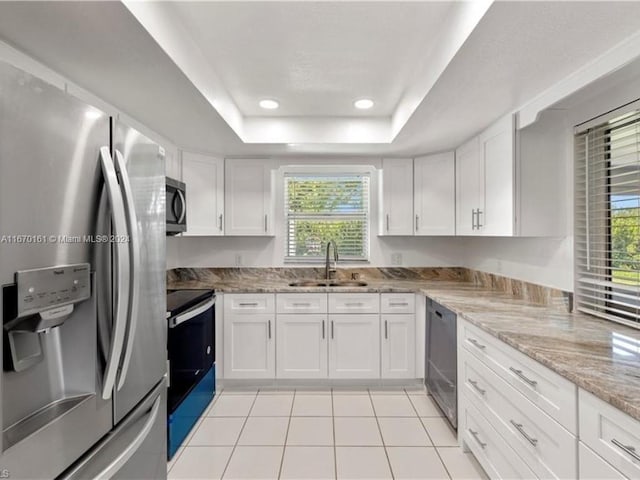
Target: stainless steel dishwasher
441 359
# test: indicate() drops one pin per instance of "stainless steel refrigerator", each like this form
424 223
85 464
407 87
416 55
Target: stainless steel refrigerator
82 272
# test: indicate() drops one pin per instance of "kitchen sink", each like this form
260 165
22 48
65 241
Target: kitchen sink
328 283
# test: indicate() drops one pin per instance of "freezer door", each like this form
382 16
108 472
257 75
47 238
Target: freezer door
141 171
135 450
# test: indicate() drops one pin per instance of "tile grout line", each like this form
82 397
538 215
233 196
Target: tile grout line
233 450
430 439
384 446
286 435
335 449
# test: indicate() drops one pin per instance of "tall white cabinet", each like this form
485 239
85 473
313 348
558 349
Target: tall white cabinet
434 194
204 179
396 197
249 197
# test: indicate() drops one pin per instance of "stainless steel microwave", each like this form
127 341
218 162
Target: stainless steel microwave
176 206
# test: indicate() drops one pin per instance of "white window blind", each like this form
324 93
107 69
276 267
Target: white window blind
607 220
320 208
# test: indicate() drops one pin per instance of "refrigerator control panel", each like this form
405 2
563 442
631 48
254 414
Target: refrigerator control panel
46 288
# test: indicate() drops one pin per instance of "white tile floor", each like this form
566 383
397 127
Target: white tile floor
322 434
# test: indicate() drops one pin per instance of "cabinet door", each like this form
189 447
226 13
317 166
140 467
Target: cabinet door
354 346
434 194
249 342
302 346
467 186
248 197
396 197
398 346
497 214
204 180
593 467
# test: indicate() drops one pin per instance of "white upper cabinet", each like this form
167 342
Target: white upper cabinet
434 194
204 180
469 186
396 197
485 182
497 147
249 197
172 165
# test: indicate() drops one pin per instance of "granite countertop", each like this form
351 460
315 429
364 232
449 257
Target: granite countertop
598 356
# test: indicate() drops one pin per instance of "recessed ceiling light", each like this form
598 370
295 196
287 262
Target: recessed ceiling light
269 104
92 114
363 103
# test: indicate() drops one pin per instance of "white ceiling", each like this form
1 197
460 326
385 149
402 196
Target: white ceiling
314 58
516 51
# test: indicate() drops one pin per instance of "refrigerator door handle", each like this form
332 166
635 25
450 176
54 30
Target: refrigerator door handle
113 468
134 261
118 219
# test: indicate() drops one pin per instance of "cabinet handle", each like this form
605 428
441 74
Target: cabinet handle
477 439
398 304
473 219
628 449
474 384
331 329
477 344
386 329
265 222
387 222
519 373
479 225
530 439
269 324
251 304
220 222
353 304
323 329
301 304
417 222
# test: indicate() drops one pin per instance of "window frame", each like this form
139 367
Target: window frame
324 171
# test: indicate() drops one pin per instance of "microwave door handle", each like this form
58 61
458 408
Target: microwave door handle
183 207
134 262
122 275
192 312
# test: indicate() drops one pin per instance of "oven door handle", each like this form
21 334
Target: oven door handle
192 312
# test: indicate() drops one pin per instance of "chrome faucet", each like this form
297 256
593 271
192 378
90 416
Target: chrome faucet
327 270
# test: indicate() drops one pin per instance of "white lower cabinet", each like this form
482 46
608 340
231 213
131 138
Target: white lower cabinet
302 346
398 346
594 467
249 338
354 346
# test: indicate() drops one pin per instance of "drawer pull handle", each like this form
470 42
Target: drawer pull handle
301 304
474 384
252 304
519 373
628 449
530 439
398 304
475 436
354 304
477 344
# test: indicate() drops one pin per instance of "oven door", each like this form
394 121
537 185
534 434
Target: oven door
191 340
176 207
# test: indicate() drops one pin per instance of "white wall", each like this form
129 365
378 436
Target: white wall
270 251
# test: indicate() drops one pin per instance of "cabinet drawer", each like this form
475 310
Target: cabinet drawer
354 303
609 432
397 303
552 393
301 303
249 303
490 449
593 467
545 446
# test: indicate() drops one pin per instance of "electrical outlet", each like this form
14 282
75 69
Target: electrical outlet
396 258
238 260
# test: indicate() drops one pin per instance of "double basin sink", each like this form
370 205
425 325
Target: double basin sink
328 283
